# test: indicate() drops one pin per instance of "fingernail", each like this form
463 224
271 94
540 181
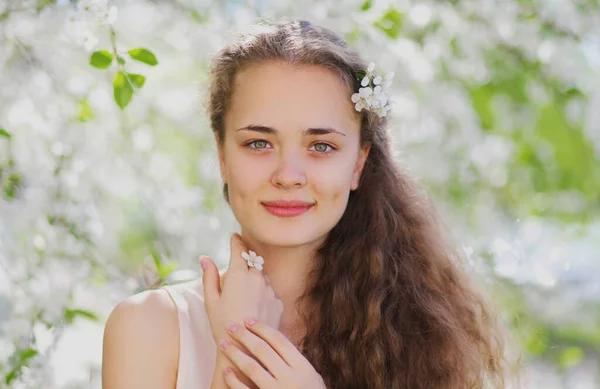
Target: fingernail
224 343
204 263
250 322
232 328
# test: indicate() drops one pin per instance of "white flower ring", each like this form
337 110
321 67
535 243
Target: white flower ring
253 260
372 96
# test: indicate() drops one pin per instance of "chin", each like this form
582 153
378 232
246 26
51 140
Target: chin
286 234
287 237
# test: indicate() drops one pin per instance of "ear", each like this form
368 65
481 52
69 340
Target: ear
360 164
221 152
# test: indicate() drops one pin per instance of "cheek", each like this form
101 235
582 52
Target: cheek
332 183
246 177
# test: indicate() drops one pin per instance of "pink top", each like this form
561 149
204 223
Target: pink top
197 349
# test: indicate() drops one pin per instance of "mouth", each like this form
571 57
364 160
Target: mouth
287 208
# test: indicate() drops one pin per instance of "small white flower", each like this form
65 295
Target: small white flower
253 260
365 81
365 92
373 101
371 95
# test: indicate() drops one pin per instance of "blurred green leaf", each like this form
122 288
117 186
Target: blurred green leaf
22 357
137 79
353 36
71 314
27 354
143 55
11 376
481 98
366 5
570 357
166 269
575 157
101 59
4 133
391 23
122 90
11 186
537 342
120 60
86 113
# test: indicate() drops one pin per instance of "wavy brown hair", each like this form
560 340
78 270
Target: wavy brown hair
388 303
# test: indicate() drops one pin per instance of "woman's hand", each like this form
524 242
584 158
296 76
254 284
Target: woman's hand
243 292
284 366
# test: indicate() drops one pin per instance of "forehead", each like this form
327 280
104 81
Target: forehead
290 97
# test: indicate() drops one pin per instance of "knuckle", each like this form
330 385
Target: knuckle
259 348
251 367
280 339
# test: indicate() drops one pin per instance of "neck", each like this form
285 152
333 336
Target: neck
287 268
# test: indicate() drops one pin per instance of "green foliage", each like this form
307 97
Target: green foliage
163 270
143 55
123 90
4 133
366 5
86 113
71 314
11 185
391 23
19 360
137 79
571 357
101 59
552 154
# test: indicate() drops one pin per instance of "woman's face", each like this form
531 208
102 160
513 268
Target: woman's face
291 134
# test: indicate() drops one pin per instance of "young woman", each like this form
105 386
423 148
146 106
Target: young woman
355 287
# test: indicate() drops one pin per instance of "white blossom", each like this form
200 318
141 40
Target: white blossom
373 98
253 260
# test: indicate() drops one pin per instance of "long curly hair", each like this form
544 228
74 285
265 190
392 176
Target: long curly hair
389 303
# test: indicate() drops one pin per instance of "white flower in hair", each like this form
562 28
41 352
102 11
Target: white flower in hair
253 260
372 95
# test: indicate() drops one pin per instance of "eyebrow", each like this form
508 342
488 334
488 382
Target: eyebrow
307 132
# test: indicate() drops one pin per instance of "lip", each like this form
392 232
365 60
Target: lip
287 208
287 203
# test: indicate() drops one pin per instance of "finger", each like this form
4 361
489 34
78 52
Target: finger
248 365
278 342
260 349
236 261
232 381
211 281
267 279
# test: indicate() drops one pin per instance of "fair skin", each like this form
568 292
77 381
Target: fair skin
291 133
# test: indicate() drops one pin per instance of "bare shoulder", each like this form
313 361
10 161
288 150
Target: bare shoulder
141 343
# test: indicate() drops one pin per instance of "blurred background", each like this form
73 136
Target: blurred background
109 179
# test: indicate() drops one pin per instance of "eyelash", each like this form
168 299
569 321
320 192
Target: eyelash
332 149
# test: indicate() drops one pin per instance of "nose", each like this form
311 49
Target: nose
290 172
